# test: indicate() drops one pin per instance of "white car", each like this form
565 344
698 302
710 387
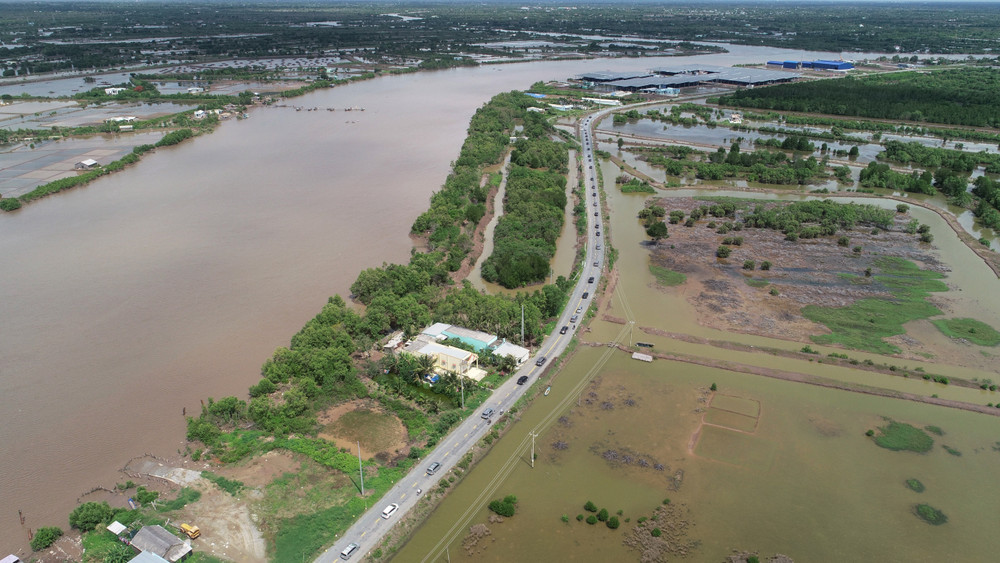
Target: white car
390 510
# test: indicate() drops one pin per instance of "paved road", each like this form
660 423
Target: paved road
370 527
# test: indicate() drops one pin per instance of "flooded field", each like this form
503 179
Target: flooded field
25 166
771 477
46 115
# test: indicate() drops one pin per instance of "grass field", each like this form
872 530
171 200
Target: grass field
974 331
667 277
735 448
864 324
899 436
378 431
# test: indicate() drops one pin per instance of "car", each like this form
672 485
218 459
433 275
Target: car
591 166
595 204
585 295
522 380
595 214
564 330
579 309
598 246
574 318
540 361
486 414
349 551
597 226
390 510
594 194
433 468
597 264
590 279
598 233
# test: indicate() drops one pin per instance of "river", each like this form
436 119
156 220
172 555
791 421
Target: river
135 297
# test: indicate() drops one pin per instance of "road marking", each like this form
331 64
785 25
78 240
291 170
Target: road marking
363 533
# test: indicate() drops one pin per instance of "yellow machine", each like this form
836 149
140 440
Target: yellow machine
191 531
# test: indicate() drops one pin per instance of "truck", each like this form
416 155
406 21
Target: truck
191 530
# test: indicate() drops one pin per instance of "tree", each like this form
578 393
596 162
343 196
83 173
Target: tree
657 230
590 507
44 537
603 515
613 523
89 514
621 143
723 252
118 553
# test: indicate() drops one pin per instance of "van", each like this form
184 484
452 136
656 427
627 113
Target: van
349 551
390 510
574 318
191 531
433 468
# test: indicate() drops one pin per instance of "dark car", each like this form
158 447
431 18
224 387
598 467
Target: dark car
595 214
563 330
590 279
522 380
598 233
585 295
540 361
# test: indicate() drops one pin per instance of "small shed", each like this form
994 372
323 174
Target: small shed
117 528
158 540
86 164
642 357
519 353
10 559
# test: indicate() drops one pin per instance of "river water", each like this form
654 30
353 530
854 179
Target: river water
135 297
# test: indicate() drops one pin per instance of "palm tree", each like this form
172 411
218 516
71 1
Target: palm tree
425 364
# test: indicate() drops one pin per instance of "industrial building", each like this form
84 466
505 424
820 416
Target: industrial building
669 80
814 65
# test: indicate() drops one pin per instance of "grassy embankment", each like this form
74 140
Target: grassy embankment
974 331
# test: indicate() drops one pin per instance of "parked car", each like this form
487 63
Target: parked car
563 330
540 361
522 380
433 468
390 510
349 551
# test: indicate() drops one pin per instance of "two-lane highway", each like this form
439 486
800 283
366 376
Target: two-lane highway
371 526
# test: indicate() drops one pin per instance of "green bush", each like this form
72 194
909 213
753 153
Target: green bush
143 496
44 537
592 519
915 485
579 517
613 523
88 515
723 252
590 507
10 204
656 533
603 515
898 436
930 514
504 507
749 264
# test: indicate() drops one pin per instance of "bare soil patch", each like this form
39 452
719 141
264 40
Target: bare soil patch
365 421
259 471
806 272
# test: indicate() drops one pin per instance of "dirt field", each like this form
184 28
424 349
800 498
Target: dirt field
365 421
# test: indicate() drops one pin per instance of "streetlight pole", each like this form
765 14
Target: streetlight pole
533 435
361 470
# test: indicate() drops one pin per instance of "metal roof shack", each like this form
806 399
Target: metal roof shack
475 338
10 559
519 353
158 540
86 164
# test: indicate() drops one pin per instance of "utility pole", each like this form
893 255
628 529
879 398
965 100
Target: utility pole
462 381
522 324
533 435
361 470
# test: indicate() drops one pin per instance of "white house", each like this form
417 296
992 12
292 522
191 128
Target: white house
199 114
195 90
86 164
114 91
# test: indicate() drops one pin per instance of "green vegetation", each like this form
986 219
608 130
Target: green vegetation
89 514
863 324
965 96
812 219
505 506
231 486
44 537
592 519
613 523
915 485
185 496
952 450
667 277
899 436
757 283
636 185
931 515
974 331
590 506
934 430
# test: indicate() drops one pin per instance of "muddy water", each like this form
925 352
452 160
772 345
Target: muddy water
136 297
797 480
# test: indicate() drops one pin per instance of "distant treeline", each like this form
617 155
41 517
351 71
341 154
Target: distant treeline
965 96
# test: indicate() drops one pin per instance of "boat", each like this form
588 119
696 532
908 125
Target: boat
547 389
